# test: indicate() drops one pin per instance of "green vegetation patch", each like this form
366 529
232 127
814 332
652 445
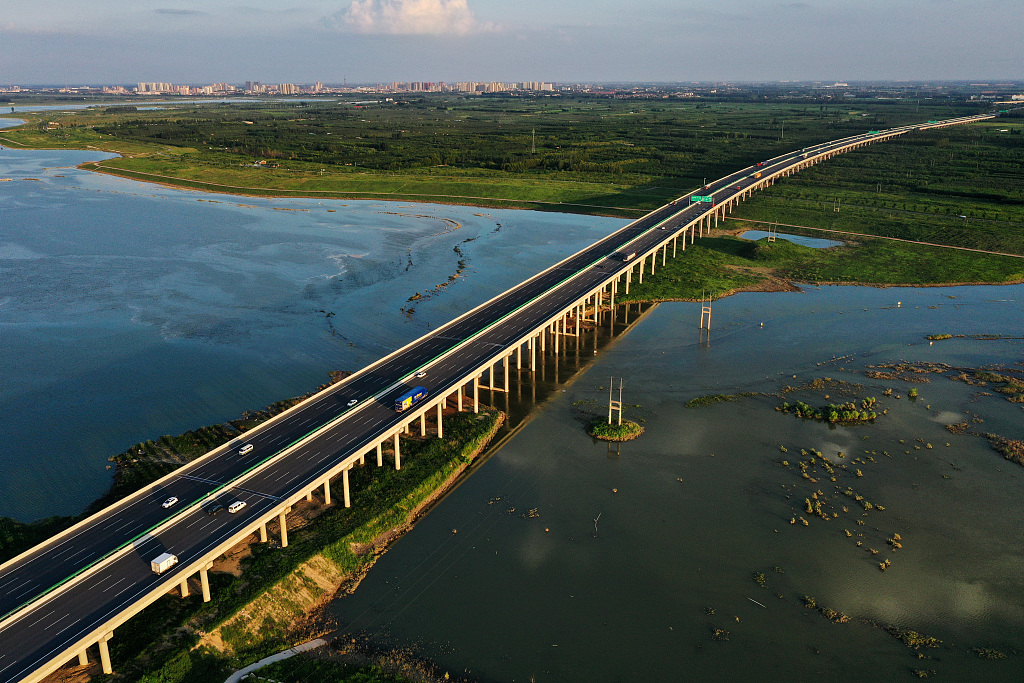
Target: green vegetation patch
844 413
627 431
718 266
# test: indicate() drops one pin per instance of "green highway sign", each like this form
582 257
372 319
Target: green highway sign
702 198
873 132
935 121
1004 111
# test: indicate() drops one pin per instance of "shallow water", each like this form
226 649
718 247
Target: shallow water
813 242
615 577
129 310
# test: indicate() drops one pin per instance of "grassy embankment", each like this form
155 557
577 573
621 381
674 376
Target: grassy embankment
252 615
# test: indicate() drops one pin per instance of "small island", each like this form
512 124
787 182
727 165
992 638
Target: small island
626 431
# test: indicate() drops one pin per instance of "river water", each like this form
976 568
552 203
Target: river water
129 310
630 560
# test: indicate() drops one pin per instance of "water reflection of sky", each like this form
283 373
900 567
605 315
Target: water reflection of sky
814 242
130 310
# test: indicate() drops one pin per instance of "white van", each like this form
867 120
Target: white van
236 506
247 448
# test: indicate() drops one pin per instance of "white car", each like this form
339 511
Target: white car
351 403
236 506
169 502
421 373
247 448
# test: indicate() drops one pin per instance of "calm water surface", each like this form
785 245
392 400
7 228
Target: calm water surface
128 311
634 557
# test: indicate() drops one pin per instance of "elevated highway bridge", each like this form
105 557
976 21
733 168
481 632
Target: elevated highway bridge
69 594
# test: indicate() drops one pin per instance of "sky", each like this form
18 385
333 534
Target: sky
74 42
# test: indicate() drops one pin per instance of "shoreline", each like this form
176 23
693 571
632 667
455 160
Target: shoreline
278 193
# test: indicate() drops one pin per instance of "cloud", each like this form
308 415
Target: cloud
410 17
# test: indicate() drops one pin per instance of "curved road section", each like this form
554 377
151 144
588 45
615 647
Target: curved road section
57 593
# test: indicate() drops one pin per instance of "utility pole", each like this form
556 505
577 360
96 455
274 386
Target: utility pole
614 405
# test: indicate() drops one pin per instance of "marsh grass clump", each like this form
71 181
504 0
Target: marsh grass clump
1011 449
911 638
988 653
938 337
627 431
711 399
843 413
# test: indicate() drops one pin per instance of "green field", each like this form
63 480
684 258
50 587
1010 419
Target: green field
962 186
717 266
573 153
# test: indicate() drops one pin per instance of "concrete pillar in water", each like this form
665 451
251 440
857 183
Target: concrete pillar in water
204 579
344 487
105 654
532 343
505 363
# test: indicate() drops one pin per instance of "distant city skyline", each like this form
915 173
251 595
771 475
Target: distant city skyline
380 41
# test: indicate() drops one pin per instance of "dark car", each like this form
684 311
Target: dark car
214 508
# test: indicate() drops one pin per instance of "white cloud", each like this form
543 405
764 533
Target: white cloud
410 17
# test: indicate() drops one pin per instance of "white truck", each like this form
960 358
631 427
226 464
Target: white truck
163 562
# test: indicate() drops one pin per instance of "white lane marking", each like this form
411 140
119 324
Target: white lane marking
43 616
123 578
56 621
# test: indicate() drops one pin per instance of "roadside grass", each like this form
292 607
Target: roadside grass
716 266
310 670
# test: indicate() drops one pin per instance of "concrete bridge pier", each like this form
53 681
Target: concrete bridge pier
345 490
440 427
183 587
398 453
105 654
283 522
83 658
327 483
380 444
204 578
263 539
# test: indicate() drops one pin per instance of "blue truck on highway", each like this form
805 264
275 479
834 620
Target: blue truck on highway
410 398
